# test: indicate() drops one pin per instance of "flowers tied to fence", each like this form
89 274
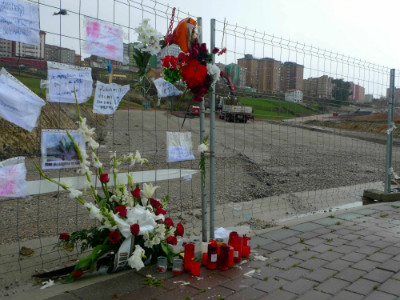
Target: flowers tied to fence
194 65
127 215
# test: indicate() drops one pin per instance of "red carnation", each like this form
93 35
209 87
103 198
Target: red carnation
169 62
180 230
77 274
160 211
114 237
136 193
121 210
194 73
104 178
172 240
135 229
155 203
64 236
169 222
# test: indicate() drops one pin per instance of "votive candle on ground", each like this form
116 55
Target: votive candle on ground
204 259
223 257
188 257
212 255
195 268
230 259
246 246
237 244
162 264
177 266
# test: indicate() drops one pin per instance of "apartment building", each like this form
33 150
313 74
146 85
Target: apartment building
320 87
251 65
59 54
237 74
358 93
30 51
269 71
6 48
291 76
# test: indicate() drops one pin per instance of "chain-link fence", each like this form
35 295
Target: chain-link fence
302 130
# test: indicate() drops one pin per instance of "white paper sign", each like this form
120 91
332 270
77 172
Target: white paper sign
13 177
165 88
18 104
58 151
62 80
108 97
19 21
179 146
104 40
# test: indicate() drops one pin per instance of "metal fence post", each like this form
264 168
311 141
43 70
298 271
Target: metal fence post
202 135
212 138
389 142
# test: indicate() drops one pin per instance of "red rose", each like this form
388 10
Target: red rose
180 230
160 211
172 240
121 210
136 193
77 274
169 222
215 50
155 203
114 237
135 229
203 48
104 178
64 236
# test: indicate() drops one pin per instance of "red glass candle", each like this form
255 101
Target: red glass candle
237 244
189 255
230 259
212 256
195 268
246 246
223 257
231 235
204 259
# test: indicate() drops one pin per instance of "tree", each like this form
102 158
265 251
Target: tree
341 90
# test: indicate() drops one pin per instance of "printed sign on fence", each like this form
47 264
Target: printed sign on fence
108 97
62 82
19 21
165 88
13 177
18 104
58 151
104 40
179 146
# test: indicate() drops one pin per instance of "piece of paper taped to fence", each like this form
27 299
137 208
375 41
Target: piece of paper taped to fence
13 177
18 104
179 146
108 97
104 40
58 151
165 88
19 21
64 79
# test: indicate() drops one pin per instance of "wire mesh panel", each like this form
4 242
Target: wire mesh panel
30 227
318 137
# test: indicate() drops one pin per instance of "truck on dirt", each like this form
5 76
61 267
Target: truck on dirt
235 113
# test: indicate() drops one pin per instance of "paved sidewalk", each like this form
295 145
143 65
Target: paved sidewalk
353 255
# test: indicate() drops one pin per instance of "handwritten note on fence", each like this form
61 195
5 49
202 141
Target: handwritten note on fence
13 177
165 88
179 146
108 97
104 40
18 104
19 21
62 82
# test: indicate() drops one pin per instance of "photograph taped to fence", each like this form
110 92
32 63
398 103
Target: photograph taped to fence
179 146
19 22
58 151
64 79
18 104
13 177
104 40
108 97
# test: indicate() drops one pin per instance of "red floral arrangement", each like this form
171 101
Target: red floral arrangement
194 68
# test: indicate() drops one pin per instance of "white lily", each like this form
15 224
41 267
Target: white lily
202 148
148 190
135 261
95 213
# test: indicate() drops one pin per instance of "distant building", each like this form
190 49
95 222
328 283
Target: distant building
78 59
251 65
369 98
291 76
358 93
30 51
237 74
6 48
59 54
396 95
294 96
268 74
320 87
